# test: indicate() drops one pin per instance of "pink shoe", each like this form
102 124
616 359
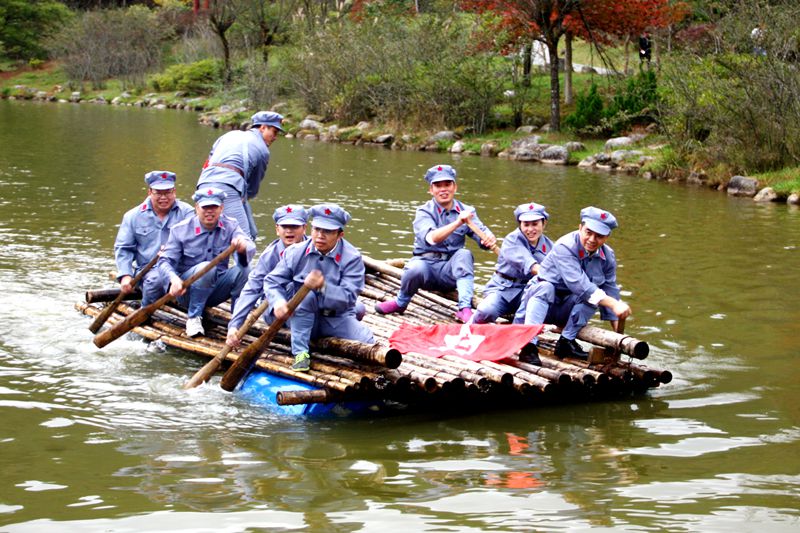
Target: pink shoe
464 315
388 308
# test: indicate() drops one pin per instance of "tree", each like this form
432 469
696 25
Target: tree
25 24
221 14
266 19
534 20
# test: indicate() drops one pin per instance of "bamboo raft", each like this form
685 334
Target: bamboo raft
344 371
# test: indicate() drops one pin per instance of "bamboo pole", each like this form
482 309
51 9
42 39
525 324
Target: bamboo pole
300 397
107 295
141 315
482 383
556 376
541 384
373 353
611 339
103 316
503 378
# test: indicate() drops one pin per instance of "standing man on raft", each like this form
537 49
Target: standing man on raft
237 165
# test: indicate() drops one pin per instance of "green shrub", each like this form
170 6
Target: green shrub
199 78
638 99
111 43
588 110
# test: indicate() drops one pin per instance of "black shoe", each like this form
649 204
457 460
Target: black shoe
530 354
569 348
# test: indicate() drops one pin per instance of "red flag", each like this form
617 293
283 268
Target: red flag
475 342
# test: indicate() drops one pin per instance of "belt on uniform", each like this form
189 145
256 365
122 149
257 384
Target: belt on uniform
327 312
229 167
509 278
439 256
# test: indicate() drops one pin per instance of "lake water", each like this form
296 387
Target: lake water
106 440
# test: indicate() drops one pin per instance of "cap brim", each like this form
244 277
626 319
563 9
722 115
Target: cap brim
207 202
528 217
277 126
289 221
325 224
597 226
442 178
160 186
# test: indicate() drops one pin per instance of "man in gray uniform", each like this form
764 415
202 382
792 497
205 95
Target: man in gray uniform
191 245
576 278
145 228
441 262
330 309
237 165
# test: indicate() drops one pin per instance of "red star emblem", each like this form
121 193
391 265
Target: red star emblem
210 192
288 209
327 211
530 207
164 175
603 215
439 169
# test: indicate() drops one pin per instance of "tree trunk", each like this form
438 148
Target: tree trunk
226 57
555 91
527 61
627 42
568 69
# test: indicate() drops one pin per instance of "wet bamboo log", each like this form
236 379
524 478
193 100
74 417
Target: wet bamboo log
427 383
541 384
482 383
301 397
320 368
108 295
503 378
373 353
442 377
586 376
305 377
556 376
648 374
611 339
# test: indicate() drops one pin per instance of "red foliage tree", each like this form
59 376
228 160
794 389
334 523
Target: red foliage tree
547 21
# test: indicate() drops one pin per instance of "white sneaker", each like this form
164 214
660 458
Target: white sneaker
194 326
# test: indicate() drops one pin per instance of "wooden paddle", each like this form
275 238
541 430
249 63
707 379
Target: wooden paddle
481 235
141 315
210 368
102 317
248 357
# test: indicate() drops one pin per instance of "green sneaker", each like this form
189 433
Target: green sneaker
302 362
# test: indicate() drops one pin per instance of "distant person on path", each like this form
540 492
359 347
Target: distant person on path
192 243
522 251
145 228
757 35
645 49
441 262
576 278
237 165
